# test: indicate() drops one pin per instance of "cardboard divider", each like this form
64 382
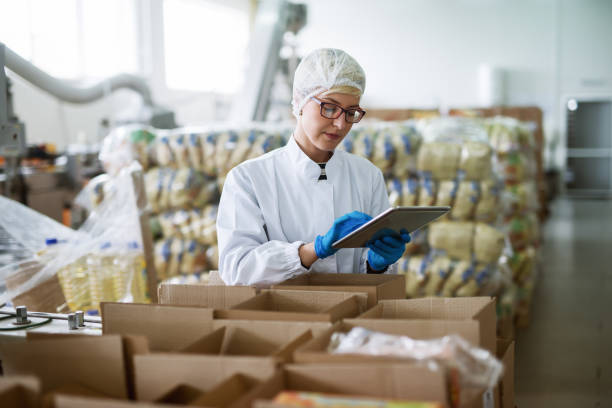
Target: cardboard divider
295 305
92 362
19 392
270 326
379 380
238 391
478 309
251 341
316 350
216 297
158 373
167 327
377 287
181 394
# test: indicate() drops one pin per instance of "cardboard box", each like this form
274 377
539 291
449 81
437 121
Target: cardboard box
315 351
158 373
167 327
382 380
19 392
477 309
216 297
96 363
505 352
377 287
297 305
72 401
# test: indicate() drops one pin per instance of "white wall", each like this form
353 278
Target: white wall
426 53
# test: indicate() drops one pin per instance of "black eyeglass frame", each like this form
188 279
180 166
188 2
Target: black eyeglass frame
342 110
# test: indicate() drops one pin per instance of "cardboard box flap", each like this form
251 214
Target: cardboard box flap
215 297
70 401
505 352
211 343
92 362
158 373
384 380
167 327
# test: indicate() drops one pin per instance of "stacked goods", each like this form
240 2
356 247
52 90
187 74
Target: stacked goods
457 255
185 171
514 146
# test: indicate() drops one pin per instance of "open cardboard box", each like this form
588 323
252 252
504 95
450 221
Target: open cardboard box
377 287
237 391
315 351
480 310
297 305
249 347
19 392
216 297
167 327
385 381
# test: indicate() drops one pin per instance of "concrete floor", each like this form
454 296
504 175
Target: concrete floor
564 358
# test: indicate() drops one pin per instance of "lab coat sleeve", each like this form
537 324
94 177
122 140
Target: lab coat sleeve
380 203
246 256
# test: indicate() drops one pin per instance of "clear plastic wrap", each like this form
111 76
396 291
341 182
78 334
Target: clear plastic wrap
125 144
103 260
477 368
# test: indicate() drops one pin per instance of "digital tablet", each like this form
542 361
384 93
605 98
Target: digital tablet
391 221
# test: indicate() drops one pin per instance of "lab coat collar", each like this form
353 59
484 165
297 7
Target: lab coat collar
306 168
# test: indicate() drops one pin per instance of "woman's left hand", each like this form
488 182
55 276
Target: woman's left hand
387 249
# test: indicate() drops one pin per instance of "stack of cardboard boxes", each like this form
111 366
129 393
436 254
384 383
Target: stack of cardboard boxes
239 347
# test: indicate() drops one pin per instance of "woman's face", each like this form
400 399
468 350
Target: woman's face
320 135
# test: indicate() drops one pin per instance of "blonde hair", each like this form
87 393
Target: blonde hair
343 89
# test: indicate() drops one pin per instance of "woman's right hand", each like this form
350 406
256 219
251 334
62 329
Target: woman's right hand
342 226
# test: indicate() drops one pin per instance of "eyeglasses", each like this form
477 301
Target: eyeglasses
333 111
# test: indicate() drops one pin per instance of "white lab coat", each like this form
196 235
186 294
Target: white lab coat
273 204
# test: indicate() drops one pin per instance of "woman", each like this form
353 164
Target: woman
280 213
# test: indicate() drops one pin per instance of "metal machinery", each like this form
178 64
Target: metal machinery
274 18
12 131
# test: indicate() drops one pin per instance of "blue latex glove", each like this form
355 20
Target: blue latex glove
387 249
342 226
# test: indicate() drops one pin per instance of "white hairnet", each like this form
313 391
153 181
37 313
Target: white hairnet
322 70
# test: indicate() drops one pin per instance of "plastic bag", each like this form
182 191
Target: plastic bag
477 367
453 238
125 144
407 141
